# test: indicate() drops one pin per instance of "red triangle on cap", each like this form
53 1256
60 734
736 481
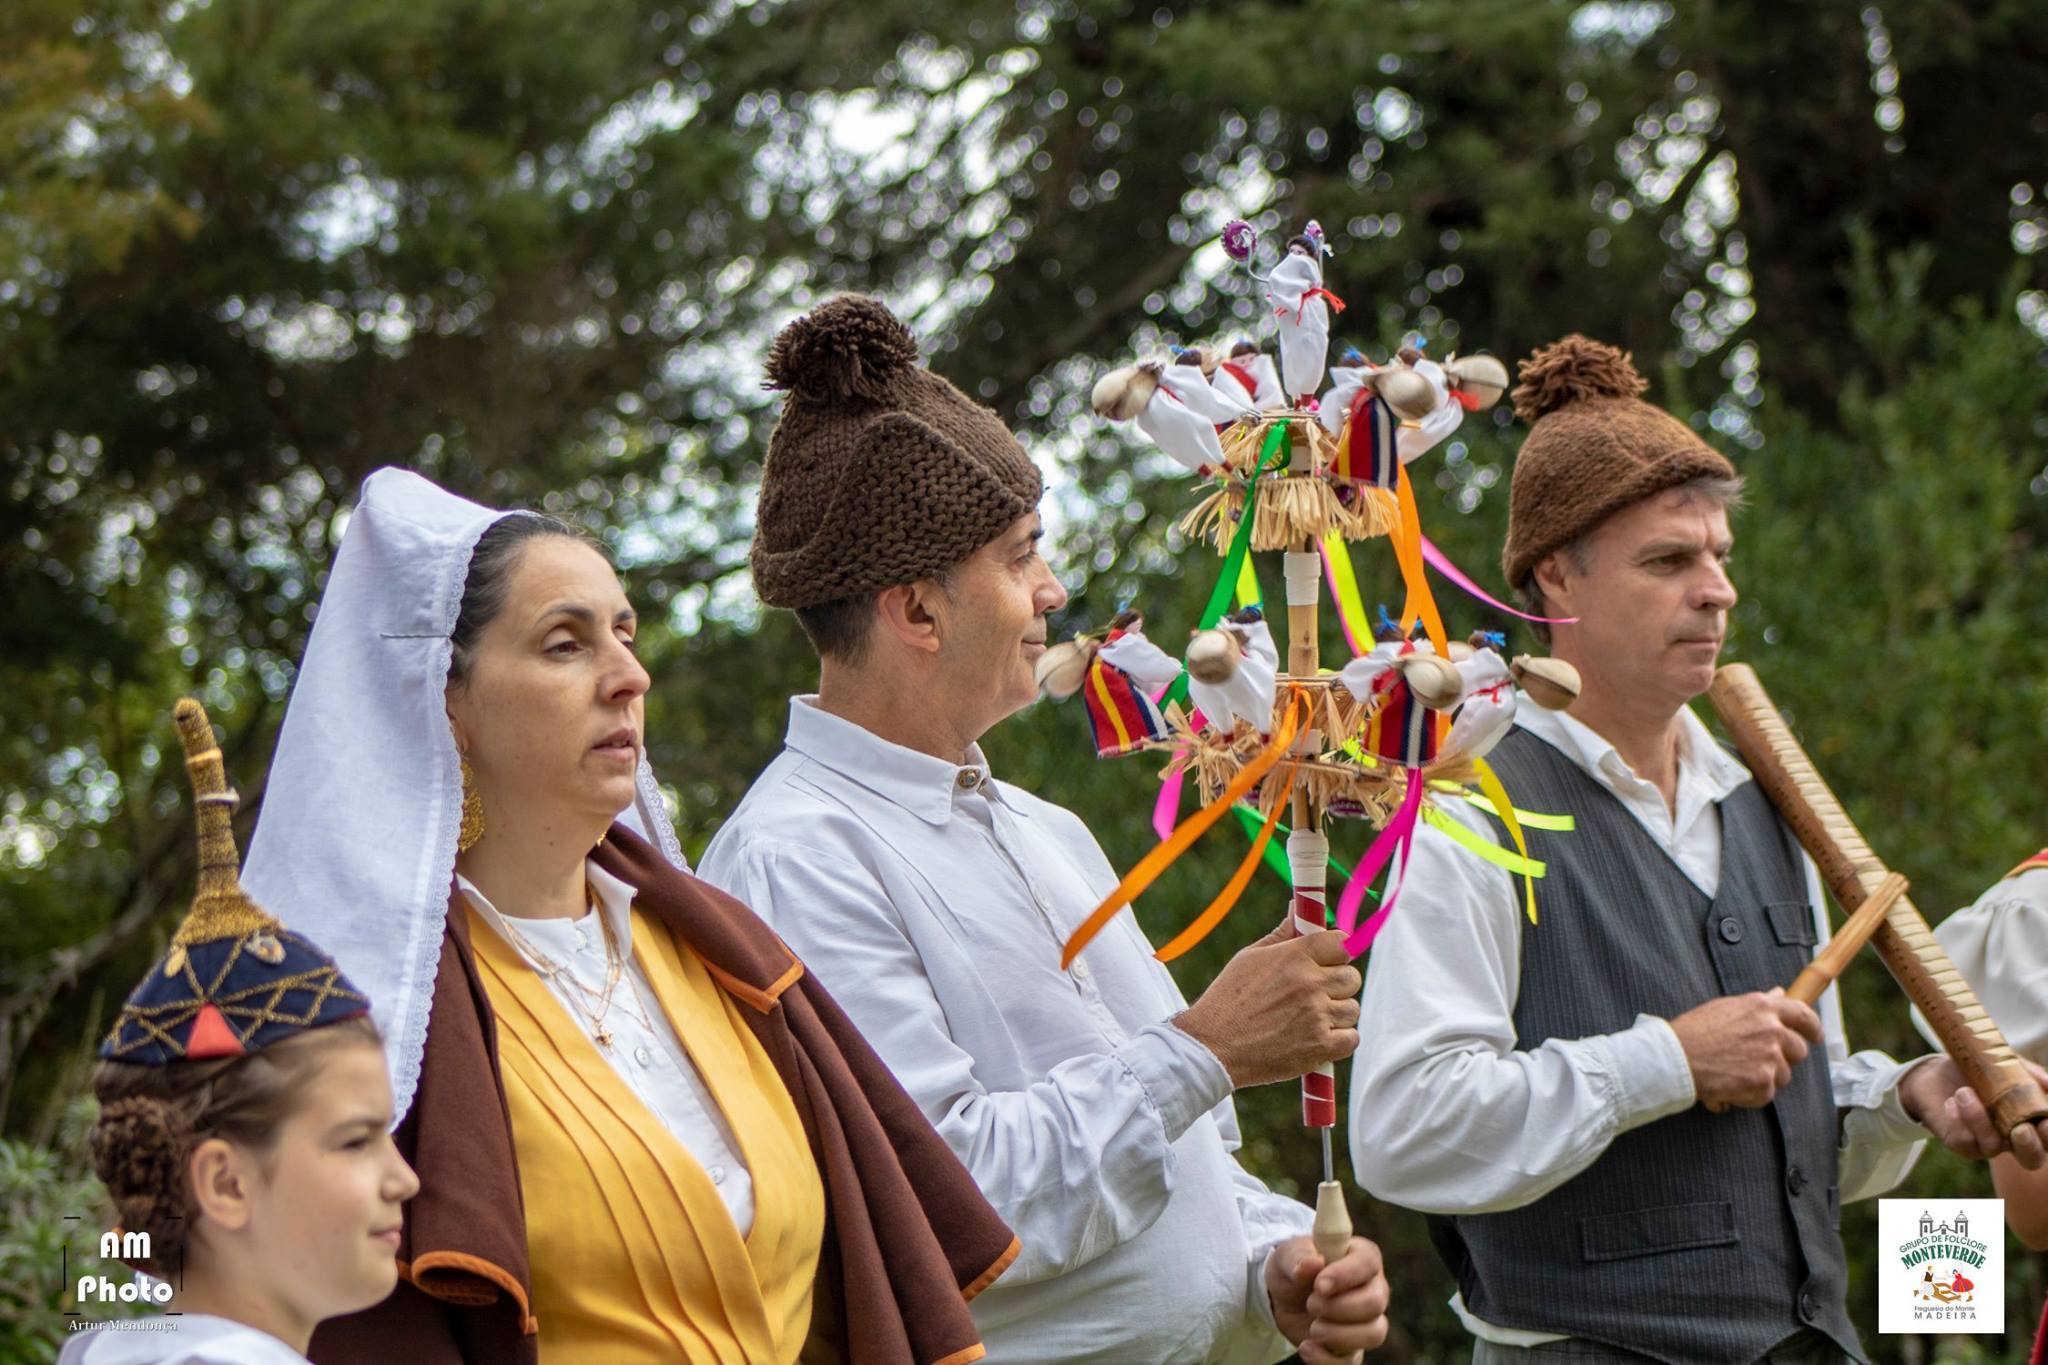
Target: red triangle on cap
211 1036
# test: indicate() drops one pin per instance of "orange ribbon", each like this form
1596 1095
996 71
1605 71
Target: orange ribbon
1159 859
1407 540
1227 897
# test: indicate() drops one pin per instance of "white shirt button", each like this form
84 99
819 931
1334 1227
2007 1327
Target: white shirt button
717 1174
643 1056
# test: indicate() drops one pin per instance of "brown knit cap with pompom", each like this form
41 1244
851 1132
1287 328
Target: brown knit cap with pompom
880 472
1594 447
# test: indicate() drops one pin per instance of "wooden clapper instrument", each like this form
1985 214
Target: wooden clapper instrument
1853 873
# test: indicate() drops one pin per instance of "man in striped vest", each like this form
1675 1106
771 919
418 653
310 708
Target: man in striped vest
1631 1144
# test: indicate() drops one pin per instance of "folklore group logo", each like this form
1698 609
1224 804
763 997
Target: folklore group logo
1943 1265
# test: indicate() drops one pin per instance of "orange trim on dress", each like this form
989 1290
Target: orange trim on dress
2038 860
989 1276
760 999
974 1352
464 1263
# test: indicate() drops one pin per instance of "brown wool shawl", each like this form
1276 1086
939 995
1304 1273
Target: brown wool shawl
909 1239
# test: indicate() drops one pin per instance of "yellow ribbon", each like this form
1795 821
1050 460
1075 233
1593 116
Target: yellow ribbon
1350 606
1531 819
1490 783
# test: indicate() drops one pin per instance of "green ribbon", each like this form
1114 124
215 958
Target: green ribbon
1233 563
1276 858
1485 848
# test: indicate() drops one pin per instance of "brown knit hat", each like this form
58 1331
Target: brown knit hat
880 472
1594 447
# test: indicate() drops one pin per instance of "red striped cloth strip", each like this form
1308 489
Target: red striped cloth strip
1121 717
1369 454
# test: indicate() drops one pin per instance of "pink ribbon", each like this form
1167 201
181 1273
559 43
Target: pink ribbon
1166 811
1399 834
1441 562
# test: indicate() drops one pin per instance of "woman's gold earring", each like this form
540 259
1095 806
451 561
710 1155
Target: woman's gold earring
472 812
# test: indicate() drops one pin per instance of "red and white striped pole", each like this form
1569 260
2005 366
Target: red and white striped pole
1308 861
1308 858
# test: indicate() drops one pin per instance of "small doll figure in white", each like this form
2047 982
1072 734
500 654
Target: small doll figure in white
1414 440
1295 291
1487 708
1137 392
1127 649
1347 377
1186 380
1254 372
1233 672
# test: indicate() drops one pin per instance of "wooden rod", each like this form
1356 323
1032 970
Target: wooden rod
1829 963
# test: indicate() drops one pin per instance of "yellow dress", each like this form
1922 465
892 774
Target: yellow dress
634 1255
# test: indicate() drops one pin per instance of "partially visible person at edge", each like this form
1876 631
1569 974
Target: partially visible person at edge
243 1132
2000 944
643 1131
899 519
1630 1153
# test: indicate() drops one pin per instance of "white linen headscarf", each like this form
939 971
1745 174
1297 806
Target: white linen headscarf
355 845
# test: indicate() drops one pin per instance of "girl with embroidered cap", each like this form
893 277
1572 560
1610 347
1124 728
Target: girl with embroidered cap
244 1110
642 1130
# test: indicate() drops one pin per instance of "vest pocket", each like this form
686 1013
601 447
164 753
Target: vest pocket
1648 1232
1791 922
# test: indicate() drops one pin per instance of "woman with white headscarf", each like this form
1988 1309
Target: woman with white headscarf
642 1131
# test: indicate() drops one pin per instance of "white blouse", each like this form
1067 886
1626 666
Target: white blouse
645 1051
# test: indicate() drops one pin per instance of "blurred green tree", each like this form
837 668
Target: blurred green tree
249 252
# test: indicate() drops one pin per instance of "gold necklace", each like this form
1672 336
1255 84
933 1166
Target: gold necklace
554 971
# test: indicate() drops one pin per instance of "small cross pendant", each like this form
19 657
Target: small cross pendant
604 1038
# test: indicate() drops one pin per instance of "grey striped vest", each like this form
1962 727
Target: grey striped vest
1699 1237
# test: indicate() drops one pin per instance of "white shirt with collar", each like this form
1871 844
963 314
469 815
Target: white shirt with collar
1505 1126
932 902
645 1051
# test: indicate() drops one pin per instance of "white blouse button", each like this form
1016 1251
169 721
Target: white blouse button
717 1174
643 1056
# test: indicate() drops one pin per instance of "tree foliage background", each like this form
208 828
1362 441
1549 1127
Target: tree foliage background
250 251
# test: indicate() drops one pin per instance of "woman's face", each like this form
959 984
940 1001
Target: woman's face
549 716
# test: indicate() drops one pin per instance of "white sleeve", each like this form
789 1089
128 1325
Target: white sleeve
1504 1127
2000 945
1269 1219
1077 1164
1879 1144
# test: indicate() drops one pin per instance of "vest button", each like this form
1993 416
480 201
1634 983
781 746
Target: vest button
1795 1181
1731 929
1806 1309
